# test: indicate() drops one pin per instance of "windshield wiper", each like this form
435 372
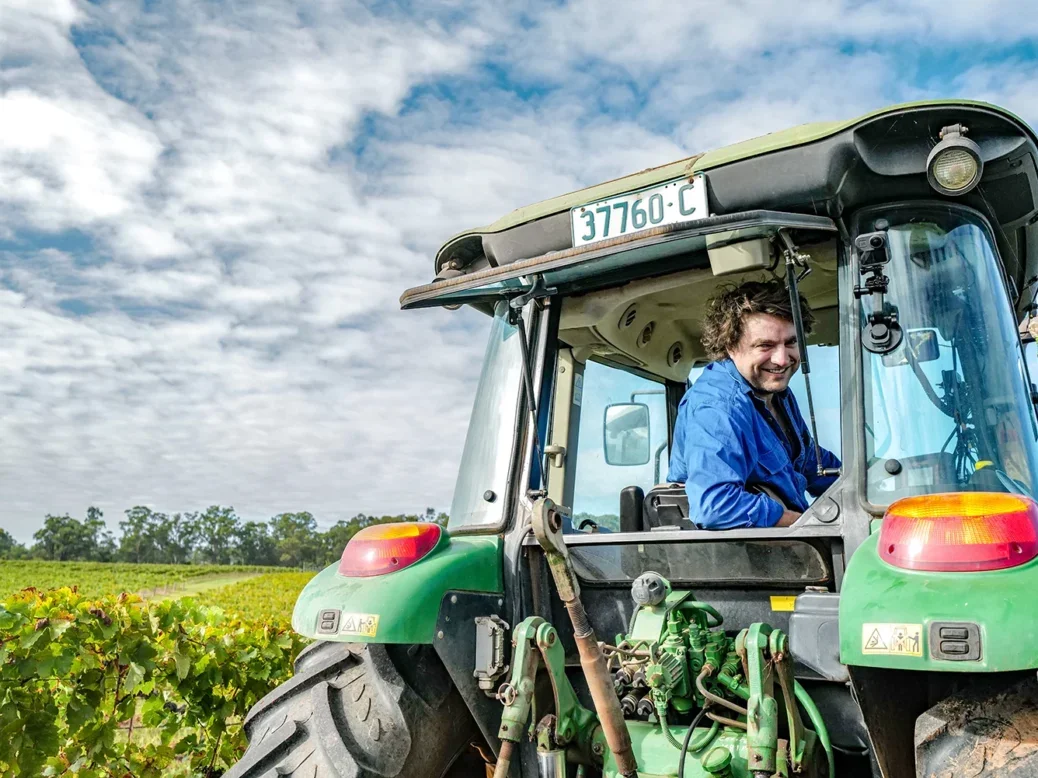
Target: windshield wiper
794 261
537 291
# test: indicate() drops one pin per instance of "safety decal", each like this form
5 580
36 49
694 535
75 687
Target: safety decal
578 389
360 624
783 602
892 639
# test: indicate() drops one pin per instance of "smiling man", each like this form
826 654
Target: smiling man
739 431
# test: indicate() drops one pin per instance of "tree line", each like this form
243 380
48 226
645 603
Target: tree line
216 536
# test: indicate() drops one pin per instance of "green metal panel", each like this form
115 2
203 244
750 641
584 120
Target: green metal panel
755 147
407 601
1000 602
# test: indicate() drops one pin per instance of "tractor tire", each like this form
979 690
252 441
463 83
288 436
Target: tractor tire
360 711
980 734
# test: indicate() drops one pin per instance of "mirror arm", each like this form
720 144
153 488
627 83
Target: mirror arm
656 463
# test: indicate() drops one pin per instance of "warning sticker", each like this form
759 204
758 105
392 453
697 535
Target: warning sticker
362 624
892 639
783 602
578 389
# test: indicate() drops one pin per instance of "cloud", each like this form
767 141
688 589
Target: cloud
209 210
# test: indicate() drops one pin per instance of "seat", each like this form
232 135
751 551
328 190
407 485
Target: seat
666 505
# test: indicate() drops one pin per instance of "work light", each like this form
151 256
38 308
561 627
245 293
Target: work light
954 166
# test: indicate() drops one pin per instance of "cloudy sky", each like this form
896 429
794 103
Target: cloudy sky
209 209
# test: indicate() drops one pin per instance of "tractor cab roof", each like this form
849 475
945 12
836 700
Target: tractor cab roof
805 179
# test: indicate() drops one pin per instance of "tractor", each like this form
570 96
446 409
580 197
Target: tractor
572 621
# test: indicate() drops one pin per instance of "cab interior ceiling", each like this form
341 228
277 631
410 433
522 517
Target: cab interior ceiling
655 324
881 160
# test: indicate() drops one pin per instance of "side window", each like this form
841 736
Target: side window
597 483
825 388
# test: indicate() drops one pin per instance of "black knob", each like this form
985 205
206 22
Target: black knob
892 466
629 704
645 707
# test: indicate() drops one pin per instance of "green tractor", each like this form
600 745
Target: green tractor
572 621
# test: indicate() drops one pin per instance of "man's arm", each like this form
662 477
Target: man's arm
718 462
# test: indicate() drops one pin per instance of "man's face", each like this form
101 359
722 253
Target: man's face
767 355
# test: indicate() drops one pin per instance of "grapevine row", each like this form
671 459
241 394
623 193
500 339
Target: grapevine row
118 686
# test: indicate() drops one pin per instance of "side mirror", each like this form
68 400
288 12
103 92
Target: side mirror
924 348
626 434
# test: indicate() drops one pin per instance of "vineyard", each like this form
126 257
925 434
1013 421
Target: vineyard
96 579
98 681
267 597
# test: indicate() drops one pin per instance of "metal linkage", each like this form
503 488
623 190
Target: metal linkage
547 526
535 640
765 656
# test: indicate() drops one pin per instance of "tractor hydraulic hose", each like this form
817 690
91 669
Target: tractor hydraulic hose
691 743
705 608
699 742
816 721
504 759
666 731
707 694
728 722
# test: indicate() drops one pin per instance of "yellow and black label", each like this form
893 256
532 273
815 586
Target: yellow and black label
360 624
892 639
783 602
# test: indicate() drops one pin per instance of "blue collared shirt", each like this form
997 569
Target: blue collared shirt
725 439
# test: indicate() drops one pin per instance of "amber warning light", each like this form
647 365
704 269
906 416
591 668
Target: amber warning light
384 548
960 532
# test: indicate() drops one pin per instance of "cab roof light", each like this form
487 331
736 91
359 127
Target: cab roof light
960 532
954 166
386 548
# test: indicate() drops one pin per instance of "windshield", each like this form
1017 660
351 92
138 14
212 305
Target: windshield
480 489
948 410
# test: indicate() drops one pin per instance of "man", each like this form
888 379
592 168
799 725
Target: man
739 425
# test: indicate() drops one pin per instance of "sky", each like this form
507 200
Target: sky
208 211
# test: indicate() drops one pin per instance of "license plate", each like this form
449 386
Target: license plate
683 200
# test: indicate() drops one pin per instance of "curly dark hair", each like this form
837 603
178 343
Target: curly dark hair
726 310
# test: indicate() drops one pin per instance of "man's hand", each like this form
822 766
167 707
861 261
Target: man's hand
788 517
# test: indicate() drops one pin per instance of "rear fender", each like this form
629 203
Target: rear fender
912 619
398 607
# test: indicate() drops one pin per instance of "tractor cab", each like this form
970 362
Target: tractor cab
910 235
577 620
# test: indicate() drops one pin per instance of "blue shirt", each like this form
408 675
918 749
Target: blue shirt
725 439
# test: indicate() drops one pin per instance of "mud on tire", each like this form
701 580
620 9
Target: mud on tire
980 733
358 711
